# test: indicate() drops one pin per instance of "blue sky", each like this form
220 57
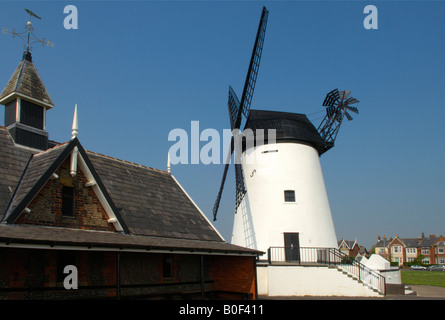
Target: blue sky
139 69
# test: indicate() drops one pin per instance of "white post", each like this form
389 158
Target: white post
74 133
75 127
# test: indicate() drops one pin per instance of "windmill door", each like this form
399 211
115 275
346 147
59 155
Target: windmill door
292 247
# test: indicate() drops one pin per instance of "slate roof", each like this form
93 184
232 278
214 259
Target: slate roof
26 81
13 160
151 201
53 237
35 169
410 242
383 243
156 211
349 243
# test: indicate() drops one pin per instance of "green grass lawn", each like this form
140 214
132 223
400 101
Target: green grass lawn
427 278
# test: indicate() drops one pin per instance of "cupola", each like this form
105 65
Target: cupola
26 101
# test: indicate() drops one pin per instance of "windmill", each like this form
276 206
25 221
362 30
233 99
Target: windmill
238 109
281 199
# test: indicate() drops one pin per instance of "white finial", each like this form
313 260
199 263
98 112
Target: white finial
168 163
75 129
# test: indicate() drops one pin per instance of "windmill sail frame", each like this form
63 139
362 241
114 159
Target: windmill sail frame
238 108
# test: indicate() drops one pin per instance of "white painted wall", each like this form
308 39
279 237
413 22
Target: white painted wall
377 262
308 281
264 216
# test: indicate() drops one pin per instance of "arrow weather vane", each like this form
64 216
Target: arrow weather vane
28 35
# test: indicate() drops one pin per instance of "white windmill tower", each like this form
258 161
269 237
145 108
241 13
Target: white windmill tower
281 199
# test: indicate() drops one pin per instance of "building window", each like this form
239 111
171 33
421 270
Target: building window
32 114
395 249
425 251
167 266
289 196
67 201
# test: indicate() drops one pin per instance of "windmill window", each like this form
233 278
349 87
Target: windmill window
289 196
67 201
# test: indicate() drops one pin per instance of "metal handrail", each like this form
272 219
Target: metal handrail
327 256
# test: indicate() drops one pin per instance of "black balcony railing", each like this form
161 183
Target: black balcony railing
327 256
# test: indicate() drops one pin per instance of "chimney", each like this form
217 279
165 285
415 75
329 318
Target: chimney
378 238
432 236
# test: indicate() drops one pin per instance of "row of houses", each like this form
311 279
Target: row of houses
422 250
351 248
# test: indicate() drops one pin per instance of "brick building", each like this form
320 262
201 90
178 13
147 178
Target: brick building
431 249
78 224
351 248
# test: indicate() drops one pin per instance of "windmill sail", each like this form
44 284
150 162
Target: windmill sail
239 108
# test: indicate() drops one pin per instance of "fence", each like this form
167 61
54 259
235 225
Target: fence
327 256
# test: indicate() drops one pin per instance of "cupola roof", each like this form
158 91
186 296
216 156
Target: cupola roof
26 83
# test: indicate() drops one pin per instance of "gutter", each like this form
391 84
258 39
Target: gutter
53 245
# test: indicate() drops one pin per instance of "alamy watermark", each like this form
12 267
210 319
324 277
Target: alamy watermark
371 20
72 18
188 150
70 281
71 21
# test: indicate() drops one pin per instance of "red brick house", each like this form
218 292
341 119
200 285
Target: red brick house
406 250
351 248
78 224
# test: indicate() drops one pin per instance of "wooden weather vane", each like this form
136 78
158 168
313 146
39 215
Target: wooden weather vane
28 35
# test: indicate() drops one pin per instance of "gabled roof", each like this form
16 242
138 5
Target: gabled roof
38 171
34 172
26 82
149 202
348 243
397 240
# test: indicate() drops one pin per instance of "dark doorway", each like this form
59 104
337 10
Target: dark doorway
292 247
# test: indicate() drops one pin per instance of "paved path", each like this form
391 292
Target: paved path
422 293
429 291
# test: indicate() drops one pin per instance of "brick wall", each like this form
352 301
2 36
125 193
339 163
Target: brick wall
183 281
36 274
233 274
46 207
